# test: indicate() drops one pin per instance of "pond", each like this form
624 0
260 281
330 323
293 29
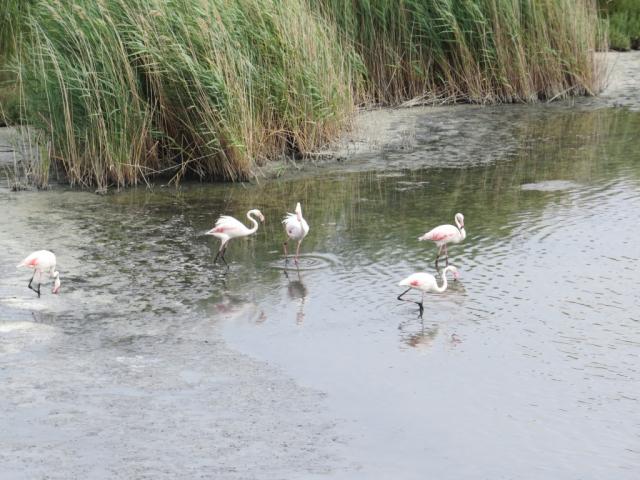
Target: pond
155 363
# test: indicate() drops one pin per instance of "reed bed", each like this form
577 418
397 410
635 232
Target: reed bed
122 90
130 88
623 19
482 51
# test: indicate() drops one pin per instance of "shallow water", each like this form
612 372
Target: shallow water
153 363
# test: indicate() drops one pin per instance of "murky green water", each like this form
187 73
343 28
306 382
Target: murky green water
152 363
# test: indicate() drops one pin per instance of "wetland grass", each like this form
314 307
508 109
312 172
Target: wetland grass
623 18
129 88
123 90
482 51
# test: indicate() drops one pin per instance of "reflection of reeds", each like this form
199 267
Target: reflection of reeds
573 146
126 89
367 222
570 146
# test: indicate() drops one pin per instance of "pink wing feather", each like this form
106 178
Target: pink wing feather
442 232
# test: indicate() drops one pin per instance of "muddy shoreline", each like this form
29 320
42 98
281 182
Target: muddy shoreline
397 129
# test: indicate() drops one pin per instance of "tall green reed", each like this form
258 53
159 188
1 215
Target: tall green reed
122 90
129 88
482 51
623 18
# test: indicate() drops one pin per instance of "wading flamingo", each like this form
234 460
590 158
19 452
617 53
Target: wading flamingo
425 282
444 234
43 262
228 227
296 228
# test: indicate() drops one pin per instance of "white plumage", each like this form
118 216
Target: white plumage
296 228
227 227
445 234
43 262
426 283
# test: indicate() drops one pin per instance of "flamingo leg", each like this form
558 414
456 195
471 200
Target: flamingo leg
297 253
446 253
403 294
420 303
438 255
220 254
286 254
224 259
30 281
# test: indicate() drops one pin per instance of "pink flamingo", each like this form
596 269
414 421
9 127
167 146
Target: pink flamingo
296 228
425 282
227 228
43 262
444 234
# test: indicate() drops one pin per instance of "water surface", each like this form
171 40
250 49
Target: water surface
154 363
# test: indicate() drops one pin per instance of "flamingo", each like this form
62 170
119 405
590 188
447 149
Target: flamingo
43 262
296 228
425 282
444 234
227 228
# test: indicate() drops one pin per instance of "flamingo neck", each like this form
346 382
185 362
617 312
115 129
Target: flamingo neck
255 223
56 282
461 229
444 285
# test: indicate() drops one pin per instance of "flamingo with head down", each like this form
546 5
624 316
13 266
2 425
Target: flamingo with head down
228 227
43 262
445 234
425 282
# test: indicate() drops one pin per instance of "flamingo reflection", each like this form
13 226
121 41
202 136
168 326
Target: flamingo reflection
297 291
422 339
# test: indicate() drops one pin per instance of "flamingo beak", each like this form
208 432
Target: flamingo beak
56 290
456 275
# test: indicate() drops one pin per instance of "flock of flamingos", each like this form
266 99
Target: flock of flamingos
43 262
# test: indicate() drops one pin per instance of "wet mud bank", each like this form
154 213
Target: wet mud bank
450 135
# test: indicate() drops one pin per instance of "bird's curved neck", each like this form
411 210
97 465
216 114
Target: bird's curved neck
254 221
463 232
443 287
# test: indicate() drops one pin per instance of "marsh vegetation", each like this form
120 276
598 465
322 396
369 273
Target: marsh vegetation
123 90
